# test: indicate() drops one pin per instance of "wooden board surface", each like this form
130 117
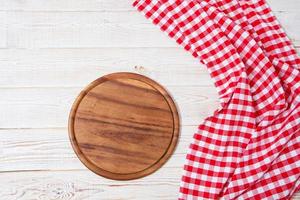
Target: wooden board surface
124 126
45 46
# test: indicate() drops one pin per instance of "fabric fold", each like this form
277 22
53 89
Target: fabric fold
238 150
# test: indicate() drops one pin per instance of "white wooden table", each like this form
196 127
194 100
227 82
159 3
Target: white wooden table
51 49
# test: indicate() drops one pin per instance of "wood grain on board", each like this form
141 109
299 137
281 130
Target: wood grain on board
49 50
124 126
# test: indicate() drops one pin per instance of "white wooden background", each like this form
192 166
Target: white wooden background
51 49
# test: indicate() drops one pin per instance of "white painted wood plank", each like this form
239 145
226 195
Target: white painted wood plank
76 18
3 37
66 5
86 37
290 22
284 5
36 149
3 30
50 149
49 107
123 29
77 67
83 185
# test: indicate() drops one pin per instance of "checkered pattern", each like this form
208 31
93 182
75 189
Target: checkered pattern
249 148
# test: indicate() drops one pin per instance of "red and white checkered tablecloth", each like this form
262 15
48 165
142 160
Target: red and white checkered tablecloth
250 147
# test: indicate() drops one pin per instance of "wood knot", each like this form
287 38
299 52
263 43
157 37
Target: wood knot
139 69
61 190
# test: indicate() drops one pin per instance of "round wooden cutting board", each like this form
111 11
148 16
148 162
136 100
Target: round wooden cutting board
124 126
